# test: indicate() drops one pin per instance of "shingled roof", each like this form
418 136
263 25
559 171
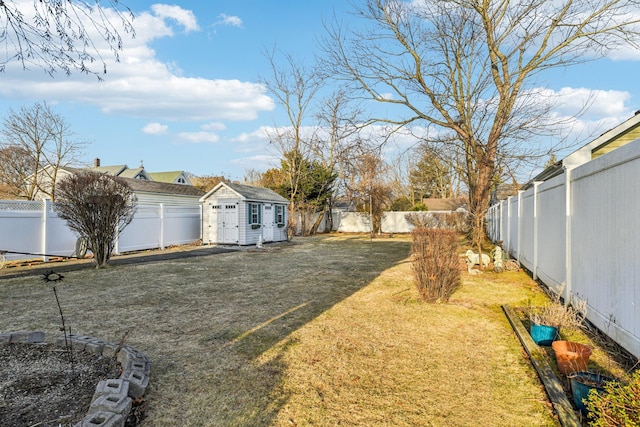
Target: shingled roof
250 193
139 185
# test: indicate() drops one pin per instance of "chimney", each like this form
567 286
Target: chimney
96 162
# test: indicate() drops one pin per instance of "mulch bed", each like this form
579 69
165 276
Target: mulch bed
39 386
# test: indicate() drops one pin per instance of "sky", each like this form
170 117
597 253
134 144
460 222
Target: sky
186 93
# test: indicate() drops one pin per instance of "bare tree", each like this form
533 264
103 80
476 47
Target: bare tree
41 143
16 168
366 186
335 143
465 70
294 86
98 207
62 35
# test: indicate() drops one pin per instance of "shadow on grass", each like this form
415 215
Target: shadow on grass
273 294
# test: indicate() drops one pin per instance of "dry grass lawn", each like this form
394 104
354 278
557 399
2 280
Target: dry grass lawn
322 331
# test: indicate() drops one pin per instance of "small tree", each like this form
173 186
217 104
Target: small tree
97 206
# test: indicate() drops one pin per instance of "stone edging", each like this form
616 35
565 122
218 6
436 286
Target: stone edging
113 399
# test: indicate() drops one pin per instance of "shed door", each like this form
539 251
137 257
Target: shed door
224 223
269 222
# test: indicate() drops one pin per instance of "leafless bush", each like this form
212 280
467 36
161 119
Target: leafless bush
557 314
98 207
435 263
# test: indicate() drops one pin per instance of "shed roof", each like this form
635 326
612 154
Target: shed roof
248 192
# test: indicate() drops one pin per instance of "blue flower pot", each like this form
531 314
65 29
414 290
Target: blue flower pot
582 383
543 334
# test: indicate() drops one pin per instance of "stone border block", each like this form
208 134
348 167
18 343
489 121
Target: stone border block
115 403
102 419
138 382
113 386
30 337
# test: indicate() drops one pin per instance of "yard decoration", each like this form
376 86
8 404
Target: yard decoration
476 259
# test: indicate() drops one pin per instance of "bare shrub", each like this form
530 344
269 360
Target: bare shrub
557 314
96 206
435 263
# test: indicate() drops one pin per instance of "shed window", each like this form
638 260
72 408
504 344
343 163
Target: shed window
279 214
255 214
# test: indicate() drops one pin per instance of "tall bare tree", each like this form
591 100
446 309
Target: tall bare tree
62 35
294 86
46 139
466 70
335 143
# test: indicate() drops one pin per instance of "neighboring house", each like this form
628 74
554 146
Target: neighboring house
624 133
151 192
175 177
243 215
122 171
445 205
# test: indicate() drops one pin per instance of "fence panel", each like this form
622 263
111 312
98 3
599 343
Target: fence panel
551 266
599 202
604 234
33 229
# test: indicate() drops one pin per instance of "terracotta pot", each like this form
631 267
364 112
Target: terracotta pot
571 356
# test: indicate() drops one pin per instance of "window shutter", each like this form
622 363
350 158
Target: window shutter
259 213
249 206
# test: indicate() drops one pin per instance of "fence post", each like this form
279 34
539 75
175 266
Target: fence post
44 230
519 231
567 244
161 225
534 272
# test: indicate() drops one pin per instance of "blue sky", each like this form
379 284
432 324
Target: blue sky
185 95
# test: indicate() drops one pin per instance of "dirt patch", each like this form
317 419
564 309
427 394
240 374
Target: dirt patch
38 385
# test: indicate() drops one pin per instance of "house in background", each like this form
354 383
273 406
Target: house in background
123 171
152 192
243 215
174 177
616 137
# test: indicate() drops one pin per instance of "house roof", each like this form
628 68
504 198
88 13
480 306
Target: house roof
444 204
170 176
139 185
620 135
111 170
249 192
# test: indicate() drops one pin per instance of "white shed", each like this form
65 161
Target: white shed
240 214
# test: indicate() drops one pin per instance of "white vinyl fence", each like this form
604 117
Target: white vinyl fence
34 230
582 229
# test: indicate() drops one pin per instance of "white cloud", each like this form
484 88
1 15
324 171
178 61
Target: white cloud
155 129
184 17
233 21
141 85
198 137
213 126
